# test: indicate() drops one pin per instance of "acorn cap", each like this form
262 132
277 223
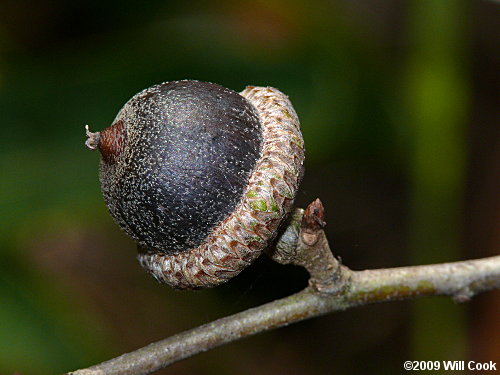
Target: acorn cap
201 177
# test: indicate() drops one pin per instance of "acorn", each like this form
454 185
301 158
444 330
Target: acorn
200 176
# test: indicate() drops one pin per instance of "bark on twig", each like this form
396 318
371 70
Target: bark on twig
332 287
309 248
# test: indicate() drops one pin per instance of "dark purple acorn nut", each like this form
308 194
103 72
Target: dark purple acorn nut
201 177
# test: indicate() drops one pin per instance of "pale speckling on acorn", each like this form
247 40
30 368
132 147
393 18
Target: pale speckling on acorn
201 177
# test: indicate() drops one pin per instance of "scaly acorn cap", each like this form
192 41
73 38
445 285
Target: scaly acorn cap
201 177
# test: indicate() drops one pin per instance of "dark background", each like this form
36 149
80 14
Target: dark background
399 109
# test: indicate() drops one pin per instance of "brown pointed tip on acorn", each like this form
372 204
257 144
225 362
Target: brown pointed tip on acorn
200 176
110 141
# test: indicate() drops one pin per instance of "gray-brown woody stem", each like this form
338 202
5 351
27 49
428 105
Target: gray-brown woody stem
332 287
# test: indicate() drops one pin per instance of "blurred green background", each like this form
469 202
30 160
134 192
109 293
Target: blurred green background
398 102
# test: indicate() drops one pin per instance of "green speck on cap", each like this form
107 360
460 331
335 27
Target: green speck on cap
256 239
286 113
252 194
274 206
299 142
259 205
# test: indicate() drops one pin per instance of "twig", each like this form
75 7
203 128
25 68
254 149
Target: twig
332 287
